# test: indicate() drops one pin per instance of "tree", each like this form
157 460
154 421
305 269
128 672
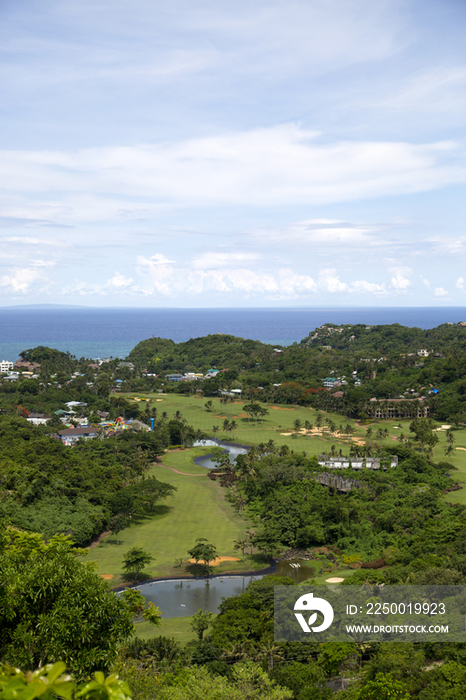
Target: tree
117 524
200 621
135 560
422 429
203 551
51 681
136 604
384 687
241 543
209 406
318 421
297 426
54 606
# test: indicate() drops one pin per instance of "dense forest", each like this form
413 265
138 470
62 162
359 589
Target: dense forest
392 526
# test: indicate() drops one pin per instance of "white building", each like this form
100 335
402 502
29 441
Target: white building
6 366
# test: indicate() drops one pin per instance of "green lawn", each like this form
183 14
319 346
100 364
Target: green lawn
177 627
198 509
279 420
183 460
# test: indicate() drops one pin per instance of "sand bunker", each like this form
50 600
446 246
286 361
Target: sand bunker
461 448
215 562
107 577
159 399
278 408
334 579
286 434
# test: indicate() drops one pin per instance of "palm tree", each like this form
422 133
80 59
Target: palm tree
215 429
369 435
250 534
307 426
270 651
233 426
297 426
380 434
235 652
318 421
241 543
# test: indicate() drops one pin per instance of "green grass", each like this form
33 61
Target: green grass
279 420
198 509
177 627
183 460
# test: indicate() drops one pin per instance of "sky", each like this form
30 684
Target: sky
204 153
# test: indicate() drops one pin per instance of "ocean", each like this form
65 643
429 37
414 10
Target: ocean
99 332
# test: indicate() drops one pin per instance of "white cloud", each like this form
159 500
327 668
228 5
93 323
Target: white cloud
21 279
291 283
440 292
368 287
329 281
440 89
119 281
27 240
281 165
460 284
325 233
162 275
211 260
401 279
447 245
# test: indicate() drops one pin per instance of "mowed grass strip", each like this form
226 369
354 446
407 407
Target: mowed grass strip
183 460
179 628
198 509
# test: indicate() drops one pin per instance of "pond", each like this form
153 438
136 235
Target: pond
232 449
298 569
184 597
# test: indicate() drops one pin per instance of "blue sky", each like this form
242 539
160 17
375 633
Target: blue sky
205 153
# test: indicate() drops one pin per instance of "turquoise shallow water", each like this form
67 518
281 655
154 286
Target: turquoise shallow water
94 332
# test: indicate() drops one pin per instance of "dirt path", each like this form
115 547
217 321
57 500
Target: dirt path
99 539
177 471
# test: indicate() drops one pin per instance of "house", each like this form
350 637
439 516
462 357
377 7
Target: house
38 418
30 366
5 366
70 435
129 365
423 353
356 462
330 382
399 408
174 377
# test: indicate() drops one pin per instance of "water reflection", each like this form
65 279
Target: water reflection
232 449
183 598
296 569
